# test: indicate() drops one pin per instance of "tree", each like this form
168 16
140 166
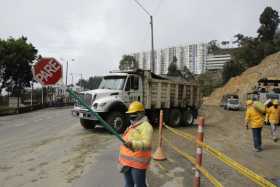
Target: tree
277 40
231 69
128 62
269 20
239 37
17 56
213 46
251 51
225 43
209 81
82 83
172 68
93 82
187 73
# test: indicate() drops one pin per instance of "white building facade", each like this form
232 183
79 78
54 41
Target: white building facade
191 56
217 62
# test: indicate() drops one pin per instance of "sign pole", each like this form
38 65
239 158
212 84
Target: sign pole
31 102
42 95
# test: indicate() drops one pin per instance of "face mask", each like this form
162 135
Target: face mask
133 117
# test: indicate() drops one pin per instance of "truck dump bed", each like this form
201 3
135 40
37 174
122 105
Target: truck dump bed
162 92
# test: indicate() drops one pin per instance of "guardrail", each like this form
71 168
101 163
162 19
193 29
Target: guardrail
198 140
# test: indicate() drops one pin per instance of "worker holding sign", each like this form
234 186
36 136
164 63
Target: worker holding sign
135 153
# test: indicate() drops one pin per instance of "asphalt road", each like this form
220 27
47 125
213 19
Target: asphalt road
49 148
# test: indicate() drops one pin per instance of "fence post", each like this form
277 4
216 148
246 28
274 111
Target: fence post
159 155
199 138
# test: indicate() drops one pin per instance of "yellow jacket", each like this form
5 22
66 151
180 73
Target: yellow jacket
273 115
254 118
141 135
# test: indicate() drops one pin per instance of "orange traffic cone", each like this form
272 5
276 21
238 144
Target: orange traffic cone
159 154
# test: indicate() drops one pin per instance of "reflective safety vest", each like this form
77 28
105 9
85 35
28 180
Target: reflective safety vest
139 159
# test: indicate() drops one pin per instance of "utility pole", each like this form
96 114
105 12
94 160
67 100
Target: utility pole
72 82
42 95
81 81
66 72
31 102
153 51
67 64
152 65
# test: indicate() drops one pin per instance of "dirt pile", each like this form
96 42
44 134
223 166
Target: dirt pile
240 85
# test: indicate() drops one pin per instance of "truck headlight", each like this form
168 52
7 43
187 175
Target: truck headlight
95 105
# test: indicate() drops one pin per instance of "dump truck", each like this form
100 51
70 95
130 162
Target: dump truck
177 97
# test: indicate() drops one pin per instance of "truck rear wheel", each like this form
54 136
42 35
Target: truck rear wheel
175 117
117 120
87 124
188 117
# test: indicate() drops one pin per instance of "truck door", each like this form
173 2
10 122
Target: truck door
133 89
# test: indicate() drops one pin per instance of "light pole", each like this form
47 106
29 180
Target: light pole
66 76
81 81
72 75
152 35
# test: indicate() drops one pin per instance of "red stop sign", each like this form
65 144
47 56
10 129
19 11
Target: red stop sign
47 71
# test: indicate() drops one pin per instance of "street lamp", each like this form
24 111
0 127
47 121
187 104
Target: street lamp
152 35
66 76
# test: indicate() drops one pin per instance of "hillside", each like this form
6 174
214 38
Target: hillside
240 85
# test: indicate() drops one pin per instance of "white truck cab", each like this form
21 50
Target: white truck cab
113 96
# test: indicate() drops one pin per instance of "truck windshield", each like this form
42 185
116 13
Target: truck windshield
112 82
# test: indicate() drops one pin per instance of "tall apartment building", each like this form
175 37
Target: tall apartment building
192 56
195 57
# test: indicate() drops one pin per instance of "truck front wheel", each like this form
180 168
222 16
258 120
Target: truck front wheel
87 124
117 120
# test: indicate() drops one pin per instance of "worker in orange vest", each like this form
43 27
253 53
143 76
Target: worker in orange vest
256 121
135 154
273 116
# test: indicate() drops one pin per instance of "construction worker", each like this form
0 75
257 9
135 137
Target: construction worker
272 114
256 121
135 154
267 105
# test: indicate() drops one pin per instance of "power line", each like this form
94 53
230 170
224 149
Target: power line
143 8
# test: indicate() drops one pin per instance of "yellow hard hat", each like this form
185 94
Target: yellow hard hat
135 106
249 102
275 102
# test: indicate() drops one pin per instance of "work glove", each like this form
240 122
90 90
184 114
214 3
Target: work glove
128 144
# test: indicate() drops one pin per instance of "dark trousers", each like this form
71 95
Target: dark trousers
257 137
135 177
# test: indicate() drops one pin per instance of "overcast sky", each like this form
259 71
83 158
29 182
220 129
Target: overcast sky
96 33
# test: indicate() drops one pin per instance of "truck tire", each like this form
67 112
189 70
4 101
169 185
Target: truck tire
175 117
87 124
187 117
117 120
